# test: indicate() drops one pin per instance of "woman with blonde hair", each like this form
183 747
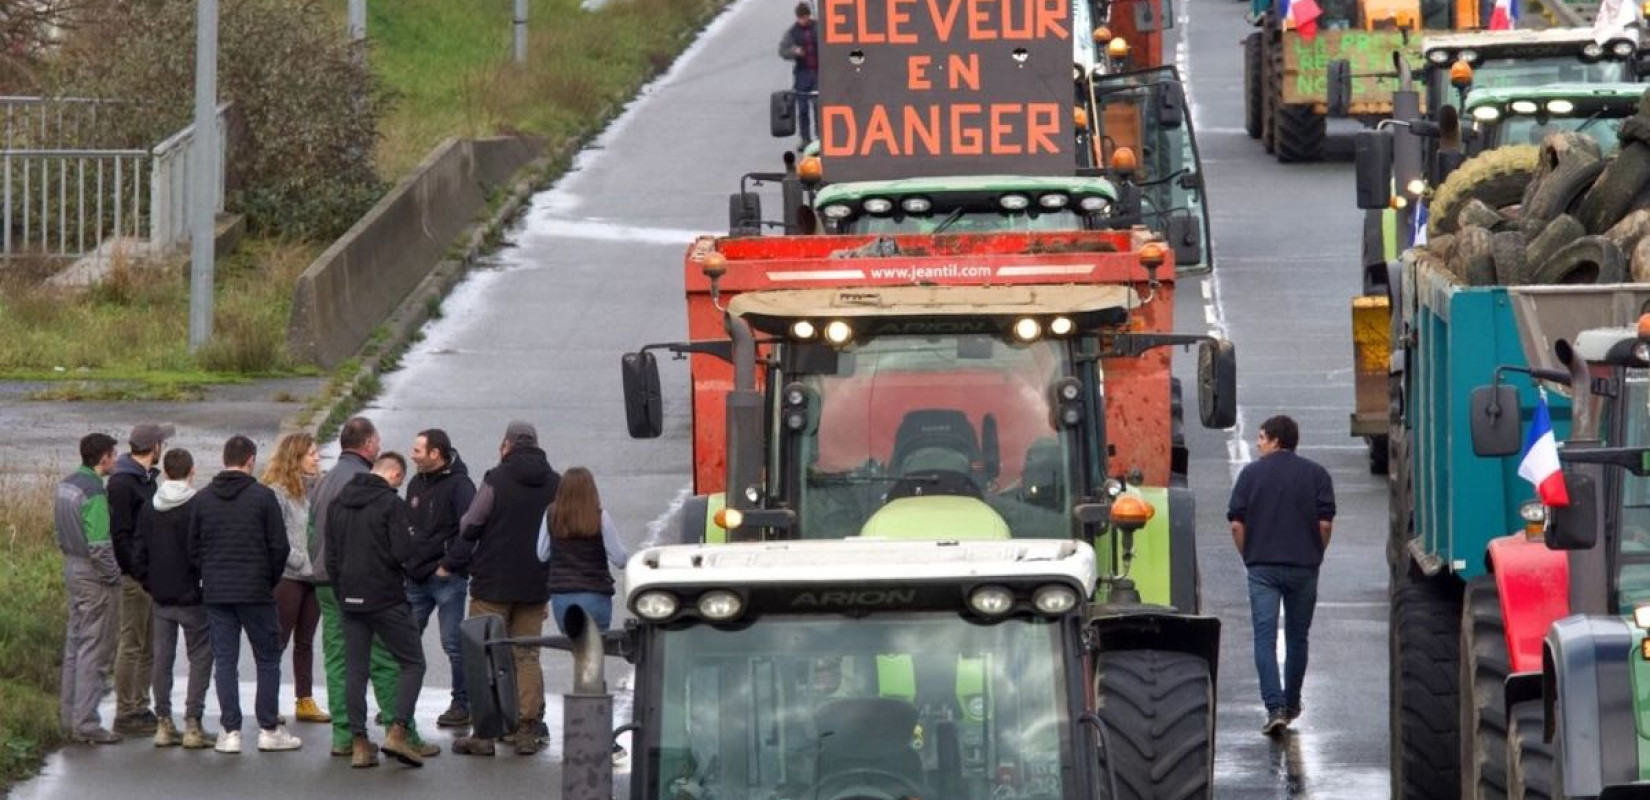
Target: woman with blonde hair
292 473
582 542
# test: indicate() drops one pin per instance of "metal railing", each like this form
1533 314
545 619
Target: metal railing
61 198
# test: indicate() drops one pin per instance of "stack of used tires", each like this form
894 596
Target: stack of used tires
1560 213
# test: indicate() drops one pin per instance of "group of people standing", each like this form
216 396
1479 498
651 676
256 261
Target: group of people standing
149 558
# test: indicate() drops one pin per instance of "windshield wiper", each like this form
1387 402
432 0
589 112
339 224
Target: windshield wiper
1590 120
956 214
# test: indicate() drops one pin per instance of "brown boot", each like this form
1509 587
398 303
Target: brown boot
400 747
195 737
166 734
473 746
362 753
308 711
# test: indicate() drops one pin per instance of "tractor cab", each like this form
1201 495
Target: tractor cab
1528 115
1527 59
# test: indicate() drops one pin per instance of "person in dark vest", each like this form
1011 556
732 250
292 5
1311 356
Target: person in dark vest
1282 512
583 542
499 547
800 46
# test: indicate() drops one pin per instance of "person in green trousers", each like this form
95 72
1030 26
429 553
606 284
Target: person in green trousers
358 441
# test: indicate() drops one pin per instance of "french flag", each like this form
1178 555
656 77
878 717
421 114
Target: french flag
1540 465
1505 15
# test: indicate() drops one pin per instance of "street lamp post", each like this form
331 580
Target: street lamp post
521 31
203 175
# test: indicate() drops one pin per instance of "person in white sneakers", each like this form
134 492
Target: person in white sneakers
237 540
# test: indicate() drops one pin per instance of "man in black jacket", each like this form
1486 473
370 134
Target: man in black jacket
160 559
369 548
131 487
440 494
499 545
237 539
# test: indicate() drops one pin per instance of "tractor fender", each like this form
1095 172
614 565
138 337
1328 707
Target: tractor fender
1521 687
1184 589
1587 687
1156 628
1534 586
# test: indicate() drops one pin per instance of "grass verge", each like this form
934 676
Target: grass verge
31 628
127 337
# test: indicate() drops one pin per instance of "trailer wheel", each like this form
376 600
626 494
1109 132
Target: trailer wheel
1496 177
1588 260
1301 133
1529 756
1253 86
1157 725
1425 652
1484 668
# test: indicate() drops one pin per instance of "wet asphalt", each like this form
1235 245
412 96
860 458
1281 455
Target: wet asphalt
594 268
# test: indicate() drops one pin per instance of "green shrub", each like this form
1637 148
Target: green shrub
306 107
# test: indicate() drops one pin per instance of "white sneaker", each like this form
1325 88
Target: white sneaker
278 739
228 742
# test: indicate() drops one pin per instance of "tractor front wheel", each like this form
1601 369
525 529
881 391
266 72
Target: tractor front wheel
1157 735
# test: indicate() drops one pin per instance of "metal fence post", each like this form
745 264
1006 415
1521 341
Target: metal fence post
357 21
521 31
201 200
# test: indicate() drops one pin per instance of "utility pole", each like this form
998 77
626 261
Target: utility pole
521 31
357 21
203 199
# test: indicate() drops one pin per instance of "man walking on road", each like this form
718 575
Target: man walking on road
131 487
237 539
359 442
1282 511
92 578
440 494
800 45
506 576
369 545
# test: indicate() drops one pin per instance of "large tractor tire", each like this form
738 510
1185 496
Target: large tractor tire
1254 84
1616 189
1157 731
1301 134
1585 261
1561 190
1529 756
1484 668
1474 261
1496 177
1425 646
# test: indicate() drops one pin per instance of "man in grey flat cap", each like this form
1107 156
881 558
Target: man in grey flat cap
132 486
498 544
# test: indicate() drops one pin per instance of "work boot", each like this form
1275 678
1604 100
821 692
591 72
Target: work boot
363 753
1293 712
1276 722
347 750
531 738
473 746
456 716
195 737
399 747
166 734
137 723
97 736
308 711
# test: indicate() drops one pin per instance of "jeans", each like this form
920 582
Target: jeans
1296 590
444 596
393 630
805 82
263 631
598 607
169 621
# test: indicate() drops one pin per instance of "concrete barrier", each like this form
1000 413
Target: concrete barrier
360 280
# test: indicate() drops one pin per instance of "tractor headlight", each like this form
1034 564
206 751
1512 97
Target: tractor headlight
1533 511
1469 56
916 205
1052 200
1055 599
1013 202
1560 106
838 332
836 211
1094 204
1524 107
720 605
1622 49
879 205
991 601
1641 616
1028 329
1439 57
1592 50
656 605
1486 113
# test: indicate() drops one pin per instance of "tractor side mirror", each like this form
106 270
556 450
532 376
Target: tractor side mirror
1171 104
744 214
1372 157
1186 237
1575 526
1217 383
1340 88
643 403
782 114
489 676
1495 421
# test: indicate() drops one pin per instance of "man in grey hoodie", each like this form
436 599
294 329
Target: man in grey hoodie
160 560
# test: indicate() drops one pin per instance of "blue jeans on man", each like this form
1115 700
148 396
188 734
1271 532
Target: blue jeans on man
263 630
1295 590
445 597
805 84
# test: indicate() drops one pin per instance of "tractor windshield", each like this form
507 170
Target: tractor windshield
889 706
967 219
935 436
1634 557
1532 73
